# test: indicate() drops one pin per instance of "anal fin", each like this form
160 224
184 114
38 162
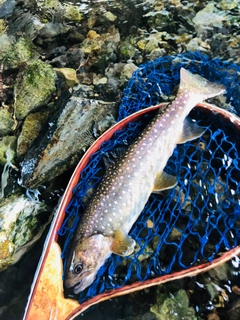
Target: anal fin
164 181
122 244
191 131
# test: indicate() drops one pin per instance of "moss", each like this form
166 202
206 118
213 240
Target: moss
15 53
34 88
31 128
6 122
72 13
173 307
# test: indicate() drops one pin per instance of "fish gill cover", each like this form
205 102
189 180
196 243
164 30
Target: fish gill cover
198 219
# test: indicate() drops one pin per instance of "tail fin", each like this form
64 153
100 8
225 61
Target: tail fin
199 85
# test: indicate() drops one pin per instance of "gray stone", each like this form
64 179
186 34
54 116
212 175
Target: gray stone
63 146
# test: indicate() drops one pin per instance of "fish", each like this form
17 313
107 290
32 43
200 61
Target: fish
128 183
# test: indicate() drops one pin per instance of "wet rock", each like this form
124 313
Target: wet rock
7 143
69 75
101 49
6 122
14 53
20 227
34 87
72 13
6 8
58 151
72 58
128 49
209 17
173 307
221 273
24 22
32 126
51 32
197 44
109 16
234 310
128 70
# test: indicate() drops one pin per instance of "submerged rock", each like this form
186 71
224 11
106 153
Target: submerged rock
174 307
34 87
66 140
20 227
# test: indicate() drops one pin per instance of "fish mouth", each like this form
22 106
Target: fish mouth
77 287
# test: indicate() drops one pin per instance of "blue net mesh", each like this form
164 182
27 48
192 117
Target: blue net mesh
199 218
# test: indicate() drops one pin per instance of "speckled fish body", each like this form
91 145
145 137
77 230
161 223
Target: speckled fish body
128 183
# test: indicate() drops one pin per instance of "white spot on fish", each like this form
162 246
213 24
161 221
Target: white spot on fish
172 122
103 227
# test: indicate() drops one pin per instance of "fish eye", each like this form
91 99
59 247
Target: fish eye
78 268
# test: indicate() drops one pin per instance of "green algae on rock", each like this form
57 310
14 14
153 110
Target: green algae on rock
173 307
72 13
14 53
19 227
6 122
32 126
34 88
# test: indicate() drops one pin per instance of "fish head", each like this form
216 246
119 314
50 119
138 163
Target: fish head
84 261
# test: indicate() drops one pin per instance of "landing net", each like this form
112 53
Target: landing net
198 219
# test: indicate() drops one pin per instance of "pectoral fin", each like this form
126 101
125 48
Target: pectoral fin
122 244
164 181
191 131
